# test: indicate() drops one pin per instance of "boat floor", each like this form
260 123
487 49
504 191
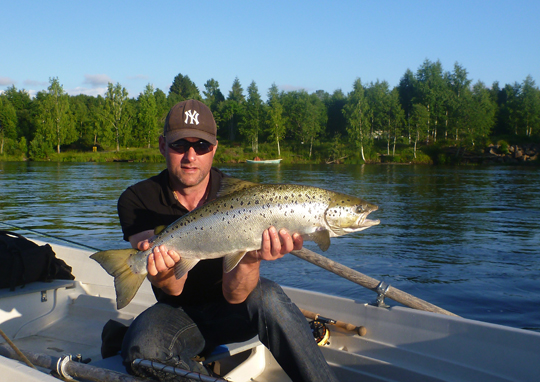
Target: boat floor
77 330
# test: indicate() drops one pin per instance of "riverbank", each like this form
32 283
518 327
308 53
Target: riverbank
438 154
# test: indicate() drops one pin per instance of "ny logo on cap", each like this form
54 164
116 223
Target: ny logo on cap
193 116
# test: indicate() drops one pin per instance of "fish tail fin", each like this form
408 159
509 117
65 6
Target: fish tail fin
126 282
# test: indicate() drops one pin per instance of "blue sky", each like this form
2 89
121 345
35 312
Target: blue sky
307 45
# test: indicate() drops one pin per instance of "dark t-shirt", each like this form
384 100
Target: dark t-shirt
150 204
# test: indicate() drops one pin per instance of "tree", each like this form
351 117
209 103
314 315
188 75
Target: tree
56 124
481 114
306 116
336 120
212 94
182 89
275 120
419 121
252 118
396 116
407 90
8 122
148 129
26 111
530 102
232 109
117 113
456 102
431 93
357 115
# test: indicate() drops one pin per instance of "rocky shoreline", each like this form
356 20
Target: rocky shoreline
497 154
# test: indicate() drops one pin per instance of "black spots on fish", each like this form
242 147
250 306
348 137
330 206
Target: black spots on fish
232 207
241 202
256 202
285 197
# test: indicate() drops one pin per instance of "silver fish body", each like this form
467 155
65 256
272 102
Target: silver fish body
232 225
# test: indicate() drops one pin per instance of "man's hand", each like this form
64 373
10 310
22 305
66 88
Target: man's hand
160 267
161 260
275 245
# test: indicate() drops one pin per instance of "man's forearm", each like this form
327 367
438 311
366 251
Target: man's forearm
242 280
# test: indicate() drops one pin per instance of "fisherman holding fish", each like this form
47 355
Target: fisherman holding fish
216 301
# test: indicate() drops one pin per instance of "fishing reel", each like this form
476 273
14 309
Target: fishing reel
320 332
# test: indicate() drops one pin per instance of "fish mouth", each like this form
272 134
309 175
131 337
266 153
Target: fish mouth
363 222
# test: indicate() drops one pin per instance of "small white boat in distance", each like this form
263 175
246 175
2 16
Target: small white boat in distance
398 344
261 161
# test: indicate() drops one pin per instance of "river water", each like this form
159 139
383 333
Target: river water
464 238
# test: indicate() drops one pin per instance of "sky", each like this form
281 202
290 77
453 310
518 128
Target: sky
311 45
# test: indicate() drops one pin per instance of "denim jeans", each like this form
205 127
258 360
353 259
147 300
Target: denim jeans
173 335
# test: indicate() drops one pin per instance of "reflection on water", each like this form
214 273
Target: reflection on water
463 238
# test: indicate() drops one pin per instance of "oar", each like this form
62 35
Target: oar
368 282
69 369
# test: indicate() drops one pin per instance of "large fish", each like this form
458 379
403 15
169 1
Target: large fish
232 225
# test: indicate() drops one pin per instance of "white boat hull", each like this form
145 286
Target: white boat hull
401 344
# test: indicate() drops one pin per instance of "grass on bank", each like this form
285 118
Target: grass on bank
337 151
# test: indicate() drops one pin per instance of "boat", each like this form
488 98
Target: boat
263 161
58 324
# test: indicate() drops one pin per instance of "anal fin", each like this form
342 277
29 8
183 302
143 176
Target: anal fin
184 266
321 238
231 261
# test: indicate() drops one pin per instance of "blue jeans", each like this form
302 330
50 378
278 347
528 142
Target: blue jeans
173 335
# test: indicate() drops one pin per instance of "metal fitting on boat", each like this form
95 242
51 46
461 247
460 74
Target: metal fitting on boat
381 290
61 367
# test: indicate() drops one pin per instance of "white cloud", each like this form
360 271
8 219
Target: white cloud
291 88
6 81
34 83
94 91
96 80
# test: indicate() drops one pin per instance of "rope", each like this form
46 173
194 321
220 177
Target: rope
16 349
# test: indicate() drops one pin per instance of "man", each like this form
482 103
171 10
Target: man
207 307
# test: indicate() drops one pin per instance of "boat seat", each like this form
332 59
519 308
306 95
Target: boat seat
36 286
223 351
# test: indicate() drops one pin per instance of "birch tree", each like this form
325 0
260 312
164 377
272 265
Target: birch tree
117 113
357 115
275 120
148 129
56 126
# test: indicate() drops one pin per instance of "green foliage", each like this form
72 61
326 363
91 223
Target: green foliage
420 120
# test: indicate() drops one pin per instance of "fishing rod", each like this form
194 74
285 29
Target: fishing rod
51 236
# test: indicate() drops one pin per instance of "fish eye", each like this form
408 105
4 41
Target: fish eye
359 209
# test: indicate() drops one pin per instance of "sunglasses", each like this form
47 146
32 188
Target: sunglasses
182 146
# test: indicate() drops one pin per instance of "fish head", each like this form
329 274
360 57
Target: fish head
346 214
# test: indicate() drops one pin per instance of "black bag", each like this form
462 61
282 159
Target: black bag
23 261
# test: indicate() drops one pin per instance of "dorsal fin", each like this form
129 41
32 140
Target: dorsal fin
230 185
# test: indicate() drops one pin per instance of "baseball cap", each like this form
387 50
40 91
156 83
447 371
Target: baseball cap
190 119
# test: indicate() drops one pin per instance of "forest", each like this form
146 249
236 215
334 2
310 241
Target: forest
428 108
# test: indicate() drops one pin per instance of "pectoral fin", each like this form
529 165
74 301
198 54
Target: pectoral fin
322 238
184 266
159 229
231 261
